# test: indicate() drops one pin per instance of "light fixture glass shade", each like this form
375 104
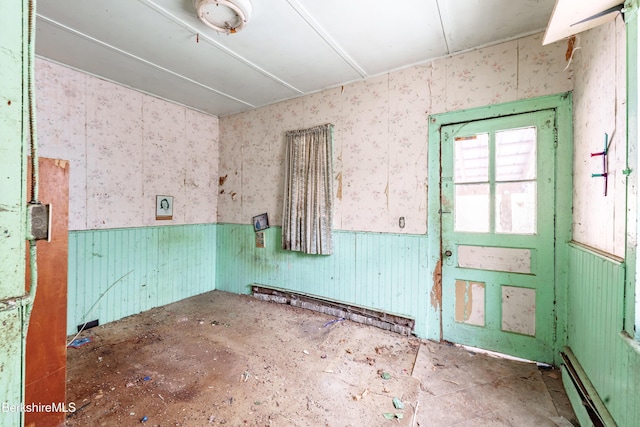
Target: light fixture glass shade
224 16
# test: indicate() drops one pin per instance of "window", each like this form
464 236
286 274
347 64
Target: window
495 182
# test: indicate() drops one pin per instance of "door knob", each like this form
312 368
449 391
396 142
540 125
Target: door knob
448 253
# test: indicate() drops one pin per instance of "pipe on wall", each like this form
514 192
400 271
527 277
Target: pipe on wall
33 143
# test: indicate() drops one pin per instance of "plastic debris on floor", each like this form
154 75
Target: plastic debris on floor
79 342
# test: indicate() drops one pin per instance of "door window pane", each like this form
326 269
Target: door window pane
516 207
471 158
471 208
516 154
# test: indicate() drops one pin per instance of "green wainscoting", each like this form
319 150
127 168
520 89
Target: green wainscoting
386 272
609 358
119 272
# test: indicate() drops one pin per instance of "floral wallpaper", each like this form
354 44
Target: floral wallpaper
60 114
124 148
380 134
599 108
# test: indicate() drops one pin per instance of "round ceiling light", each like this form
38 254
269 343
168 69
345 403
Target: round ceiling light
224 16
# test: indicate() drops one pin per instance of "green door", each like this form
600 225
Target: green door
497 215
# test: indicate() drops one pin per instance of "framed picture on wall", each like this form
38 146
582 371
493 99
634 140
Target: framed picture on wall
260 222
164 207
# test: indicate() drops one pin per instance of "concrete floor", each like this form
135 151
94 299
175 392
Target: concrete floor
224 359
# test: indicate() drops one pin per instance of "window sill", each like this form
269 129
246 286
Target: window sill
631 342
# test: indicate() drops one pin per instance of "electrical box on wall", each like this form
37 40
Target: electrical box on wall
40 221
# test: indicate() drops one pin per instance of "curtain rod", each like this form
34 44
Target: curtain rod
311 129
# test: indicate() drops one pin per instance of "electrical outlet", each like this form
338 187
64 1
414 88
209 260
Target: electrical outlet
88 325
40 223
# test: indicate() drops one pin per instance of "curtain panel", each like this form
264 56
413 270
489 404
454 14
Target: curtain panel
308 191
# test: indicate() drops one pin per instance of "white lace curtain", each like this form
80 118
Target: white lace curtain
308 194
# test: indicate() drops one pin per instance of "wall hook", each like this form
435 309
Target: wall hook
604 154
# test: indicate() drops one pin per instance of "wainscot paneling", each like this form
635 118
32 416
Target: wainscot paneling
119 272
609 358
382 271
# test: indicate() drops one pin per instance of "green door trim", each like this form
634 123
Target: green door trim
632 284
562 105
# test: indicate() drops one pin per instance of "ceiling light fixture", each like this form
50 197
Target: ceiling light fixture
224 16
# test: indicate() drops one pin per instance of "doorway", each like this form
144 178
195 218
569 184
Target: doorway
495 220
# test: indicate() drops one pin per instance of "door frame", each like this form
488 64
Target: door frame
563 107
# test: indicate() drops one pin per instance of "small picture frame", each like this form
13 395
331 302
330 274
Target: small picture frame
164 207
260 222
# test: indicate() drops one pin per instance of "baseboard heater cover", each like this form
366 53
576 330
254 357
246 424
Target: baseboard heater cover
367 316
595 408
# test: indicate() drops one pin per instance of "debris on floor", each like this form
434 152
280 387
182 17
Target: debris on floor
397 403
79 342
391 416
333 322
280 366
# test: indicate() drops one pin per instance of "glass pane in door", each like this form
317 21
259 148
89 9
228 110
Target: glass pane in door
472 208
471 158
516 154
516 207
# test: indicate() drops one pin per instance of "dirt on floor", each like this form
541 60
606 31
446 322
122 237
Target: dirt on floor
232 360
223 359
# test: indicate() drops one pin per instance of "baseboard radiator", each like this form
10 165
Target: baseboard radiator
387 321
586 403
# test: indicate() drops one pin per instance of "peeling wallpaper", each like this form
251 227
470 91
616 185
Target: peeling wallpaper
380 134
124 148
599 108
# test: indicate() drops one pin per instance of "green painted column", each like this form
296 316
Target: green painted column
632 287
13 75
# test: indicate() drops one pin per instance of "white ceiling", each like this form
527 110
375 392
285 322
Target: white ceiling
288 48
